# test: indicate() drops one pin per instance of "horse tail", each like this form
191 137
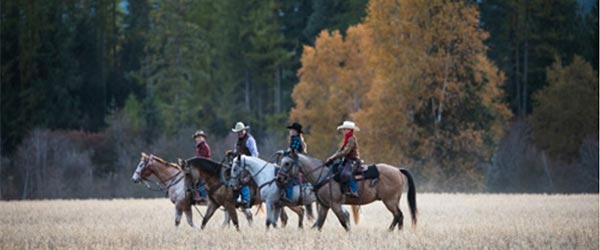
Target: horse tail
356 214
412 195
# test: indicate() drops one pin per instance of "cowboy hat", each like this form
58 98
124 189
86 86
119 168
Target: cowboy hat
239 126
296 126
199 133
348 125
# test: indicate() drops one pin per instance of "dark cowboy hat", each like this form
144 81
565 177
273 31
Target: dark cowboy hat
296 126
199 133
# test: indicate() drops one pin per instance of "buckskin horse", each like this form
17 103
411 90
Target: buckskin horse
218 193
170 175
329 194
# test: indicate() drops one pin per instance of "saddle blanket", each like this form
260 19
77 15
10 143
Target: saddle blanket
367 172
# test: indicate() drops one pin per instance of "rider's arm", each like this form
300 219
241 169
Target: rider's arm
345 150
251 144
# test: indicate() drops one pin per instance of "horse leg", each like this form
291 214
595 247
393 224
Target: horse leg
276 211
248 215
233 215
392 206
210 210
347 215
300 212
400 219
339 212
226 219
323 210
188 216
284 218
178 214
309 212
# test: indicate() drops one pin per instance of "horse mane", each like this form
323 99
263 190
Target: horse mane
205 164
313 161
170 164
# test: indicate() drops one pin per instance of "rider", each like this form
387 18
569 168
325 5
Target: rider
349 152
297 146
246 145
202 150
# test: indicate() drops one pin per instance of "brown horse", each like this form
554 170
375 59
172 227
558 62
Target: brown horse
219 194
388 189
171 176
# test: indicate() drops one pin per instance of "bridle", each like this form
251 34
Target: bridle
172 180
244 168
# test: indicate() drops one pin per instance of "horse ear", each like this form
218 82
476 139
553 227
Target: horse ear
181 162
144 155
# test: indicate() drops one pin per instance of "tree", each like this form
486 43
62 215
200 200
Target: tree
174 70
566 111
333 80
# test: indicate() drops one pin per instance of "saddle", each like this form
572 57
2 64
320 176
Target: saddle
368 172
360 172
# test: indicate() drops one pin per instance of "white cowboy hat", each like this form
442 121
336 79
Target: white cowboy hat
348 125
239 126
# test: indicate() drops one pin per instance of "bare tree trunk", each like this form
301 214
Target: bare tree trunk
547 171
517 58
247 90
525 63
277 89
438 119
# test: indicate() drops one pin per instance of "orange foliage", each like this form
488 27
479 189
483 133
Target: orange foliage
416 79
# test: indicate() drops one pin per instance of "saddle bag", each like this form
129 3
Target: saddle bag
346 173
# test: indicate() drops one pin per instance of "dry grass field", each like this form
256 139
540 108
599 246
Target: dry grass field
446 221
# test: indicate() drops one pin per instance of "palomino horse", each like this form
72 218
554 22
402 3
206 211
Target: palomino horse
388 189
218 193
264 174
170 175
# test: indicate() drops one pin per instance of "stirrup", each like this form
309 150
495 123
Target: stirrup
374 181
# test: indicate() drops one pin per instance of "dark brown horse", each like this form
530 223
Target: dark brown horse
219 194
329 195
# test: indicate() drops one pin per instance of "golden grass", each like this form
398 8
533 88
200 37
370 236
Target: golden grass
446 221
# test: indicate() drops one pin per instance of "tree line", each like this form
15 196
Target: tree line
440 86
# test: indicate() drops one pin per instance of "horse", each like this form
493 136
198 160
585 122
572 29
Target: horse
170 175
264 174
329 194
218 193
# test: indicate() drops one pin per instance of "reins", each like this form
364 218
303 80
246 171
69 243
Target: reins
260 170
172 182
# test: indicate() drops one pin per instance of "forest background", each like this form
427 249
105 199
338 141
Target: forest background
471 96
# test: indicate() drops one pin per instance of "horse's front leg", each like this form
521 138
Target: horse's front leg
284 218
210 210
270 214
342 217
178 214
248 213
226 219
300 212
232 214
323 210
188 216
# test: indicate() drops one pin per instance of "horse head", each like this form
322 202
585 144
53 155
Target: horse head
142 170
286 162
238 166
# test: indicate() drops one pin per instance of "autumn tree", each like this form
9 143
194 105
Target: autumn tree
566 111
333 79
